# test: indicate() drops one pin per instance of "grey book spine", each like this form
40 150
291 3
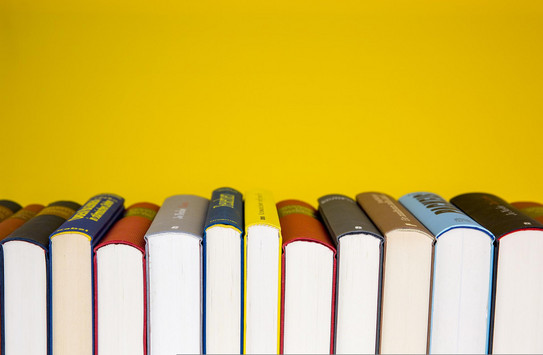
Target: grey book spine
342 216
180 214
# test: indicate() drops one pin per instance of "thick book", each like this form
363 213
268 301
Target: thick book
407 275
518 304
174 306
262 274
17 219
223 273
120 284
7 208
308 281
71 249
462 281
531 209
359 268
25 282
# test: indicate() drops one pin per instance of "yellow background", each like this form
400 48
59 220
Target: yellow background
148 99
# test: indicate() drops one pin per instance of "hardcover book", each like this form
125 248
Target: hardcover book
518 305
407 275
174 242
26 280
308 281
72 273
360 261
120 284
7 208
223 273
16 220
262 274
462 281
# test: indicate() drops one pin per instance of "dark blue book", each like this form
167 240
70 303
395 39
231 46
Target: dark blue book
71 249
223 273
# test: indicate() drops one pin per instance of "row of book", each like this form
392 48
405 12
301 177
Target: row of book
242 274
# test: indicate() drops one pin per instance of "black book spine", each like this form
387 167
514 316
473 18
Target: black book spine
39 228
493 213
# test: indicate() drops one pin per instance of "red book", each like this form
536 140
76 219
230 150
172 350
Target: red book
120 323
308 280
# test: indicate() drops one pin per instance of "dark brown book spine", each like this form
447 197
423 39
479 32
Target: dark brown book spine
18 219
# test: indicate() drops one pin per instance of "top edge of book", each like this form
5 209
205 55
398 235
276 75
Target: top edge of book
437 214
389 215
38 228
180 214
131 228
300 222
94 218
225 209
342 216
494 213
260 209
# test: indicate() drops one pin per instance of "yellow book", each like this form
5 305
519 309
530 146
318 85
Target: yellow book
262 274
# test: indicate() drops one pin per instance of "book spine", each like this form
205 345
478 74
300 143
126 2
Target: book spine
342 216
388 214
260 209
132 227
7 208
38 229
181 214
22 216
94 218
437 214
493 213
226 209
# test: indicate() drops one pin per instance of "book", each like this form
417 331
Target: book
7 208
518 305
25 282
407 274
359 268
462 281
531 209
308 281
72 273
262 274
174 242
120 284
223 273
17 219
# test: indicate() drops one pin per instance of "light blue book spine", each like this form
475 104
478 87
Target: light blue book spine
440 216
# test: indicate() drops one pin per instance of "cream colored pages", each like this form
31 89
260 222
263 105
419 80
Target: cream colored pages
72 294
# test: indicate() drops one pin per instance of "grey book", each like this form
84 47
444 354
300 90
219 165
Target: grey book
360 262
174 276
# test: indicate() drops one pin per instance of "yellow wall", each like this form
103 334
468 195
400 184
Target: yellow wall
148 99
